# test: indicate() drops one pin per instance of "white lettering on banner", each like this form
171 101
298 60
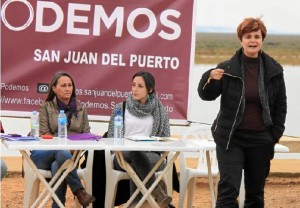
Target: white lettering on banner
29 101
72 19
46 55
77 57
107 59
74 57
117 17
168 108
105 93
160 62
14 87
165 21
152 23
112 59
41 6
90 104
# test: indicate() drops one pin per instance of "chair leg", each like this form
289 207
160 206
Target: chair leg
216 185
169 180
183 186
88 187
110 193
31 191
191 190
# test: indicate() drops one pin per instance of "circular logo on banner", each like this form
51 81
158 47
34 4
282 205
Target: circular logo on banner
31 12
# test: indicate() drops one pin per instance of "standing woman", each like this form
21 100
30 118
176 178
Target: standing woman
61 96
144 115
251 117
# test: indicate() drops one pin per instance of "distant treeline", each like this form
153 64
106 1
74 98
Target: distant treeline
217 47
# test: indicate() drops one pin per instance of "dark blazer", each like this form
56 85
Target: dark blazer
231 89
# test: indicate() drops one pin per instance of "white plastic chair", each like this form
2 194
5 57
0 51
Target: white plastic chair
188 175
114 176
32 182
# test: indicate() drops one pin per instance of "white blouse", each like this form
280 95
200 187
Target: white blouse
137 126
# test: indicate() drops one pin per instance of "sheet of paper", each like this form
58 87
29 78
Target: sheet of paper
152 138
19 138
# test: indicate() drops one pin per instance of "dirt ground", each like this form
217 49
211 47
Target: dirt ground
281 192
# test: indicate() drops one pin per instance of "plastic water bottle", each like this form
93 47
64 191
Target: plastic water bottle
118 128
62 127
35 124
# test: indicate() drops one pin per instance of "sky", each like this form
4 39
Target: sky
279 16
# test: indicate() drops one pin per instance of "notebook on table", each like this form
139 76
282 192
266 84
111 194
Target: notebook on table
84 136
16 137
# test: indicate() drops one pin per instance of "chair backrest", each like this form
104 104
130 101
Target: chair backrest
199 133
87 173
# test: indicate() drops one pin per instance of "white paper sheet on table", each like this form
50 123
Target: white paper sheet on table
152 138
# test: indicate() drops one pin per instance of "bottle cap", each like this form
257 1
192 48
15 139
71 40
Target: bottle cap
118 112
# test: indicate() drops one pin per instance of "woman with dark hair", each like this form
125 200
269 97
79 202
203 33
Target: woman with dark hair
144 115
61 96
251 118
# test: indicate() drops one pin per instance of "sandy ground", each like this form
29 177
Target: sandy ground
281 192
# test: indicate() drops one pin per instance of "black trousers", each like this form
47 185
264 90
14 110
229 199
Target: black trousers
251 151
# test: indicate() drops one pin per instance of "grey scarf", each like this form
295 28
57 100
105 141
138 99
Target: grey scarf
154 107
263 96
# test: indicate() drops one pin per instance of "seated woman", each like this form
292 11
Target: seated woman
61 96
2 162
144 115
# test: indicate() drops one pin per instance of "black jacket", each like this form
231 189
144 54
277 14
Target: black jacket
231 89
